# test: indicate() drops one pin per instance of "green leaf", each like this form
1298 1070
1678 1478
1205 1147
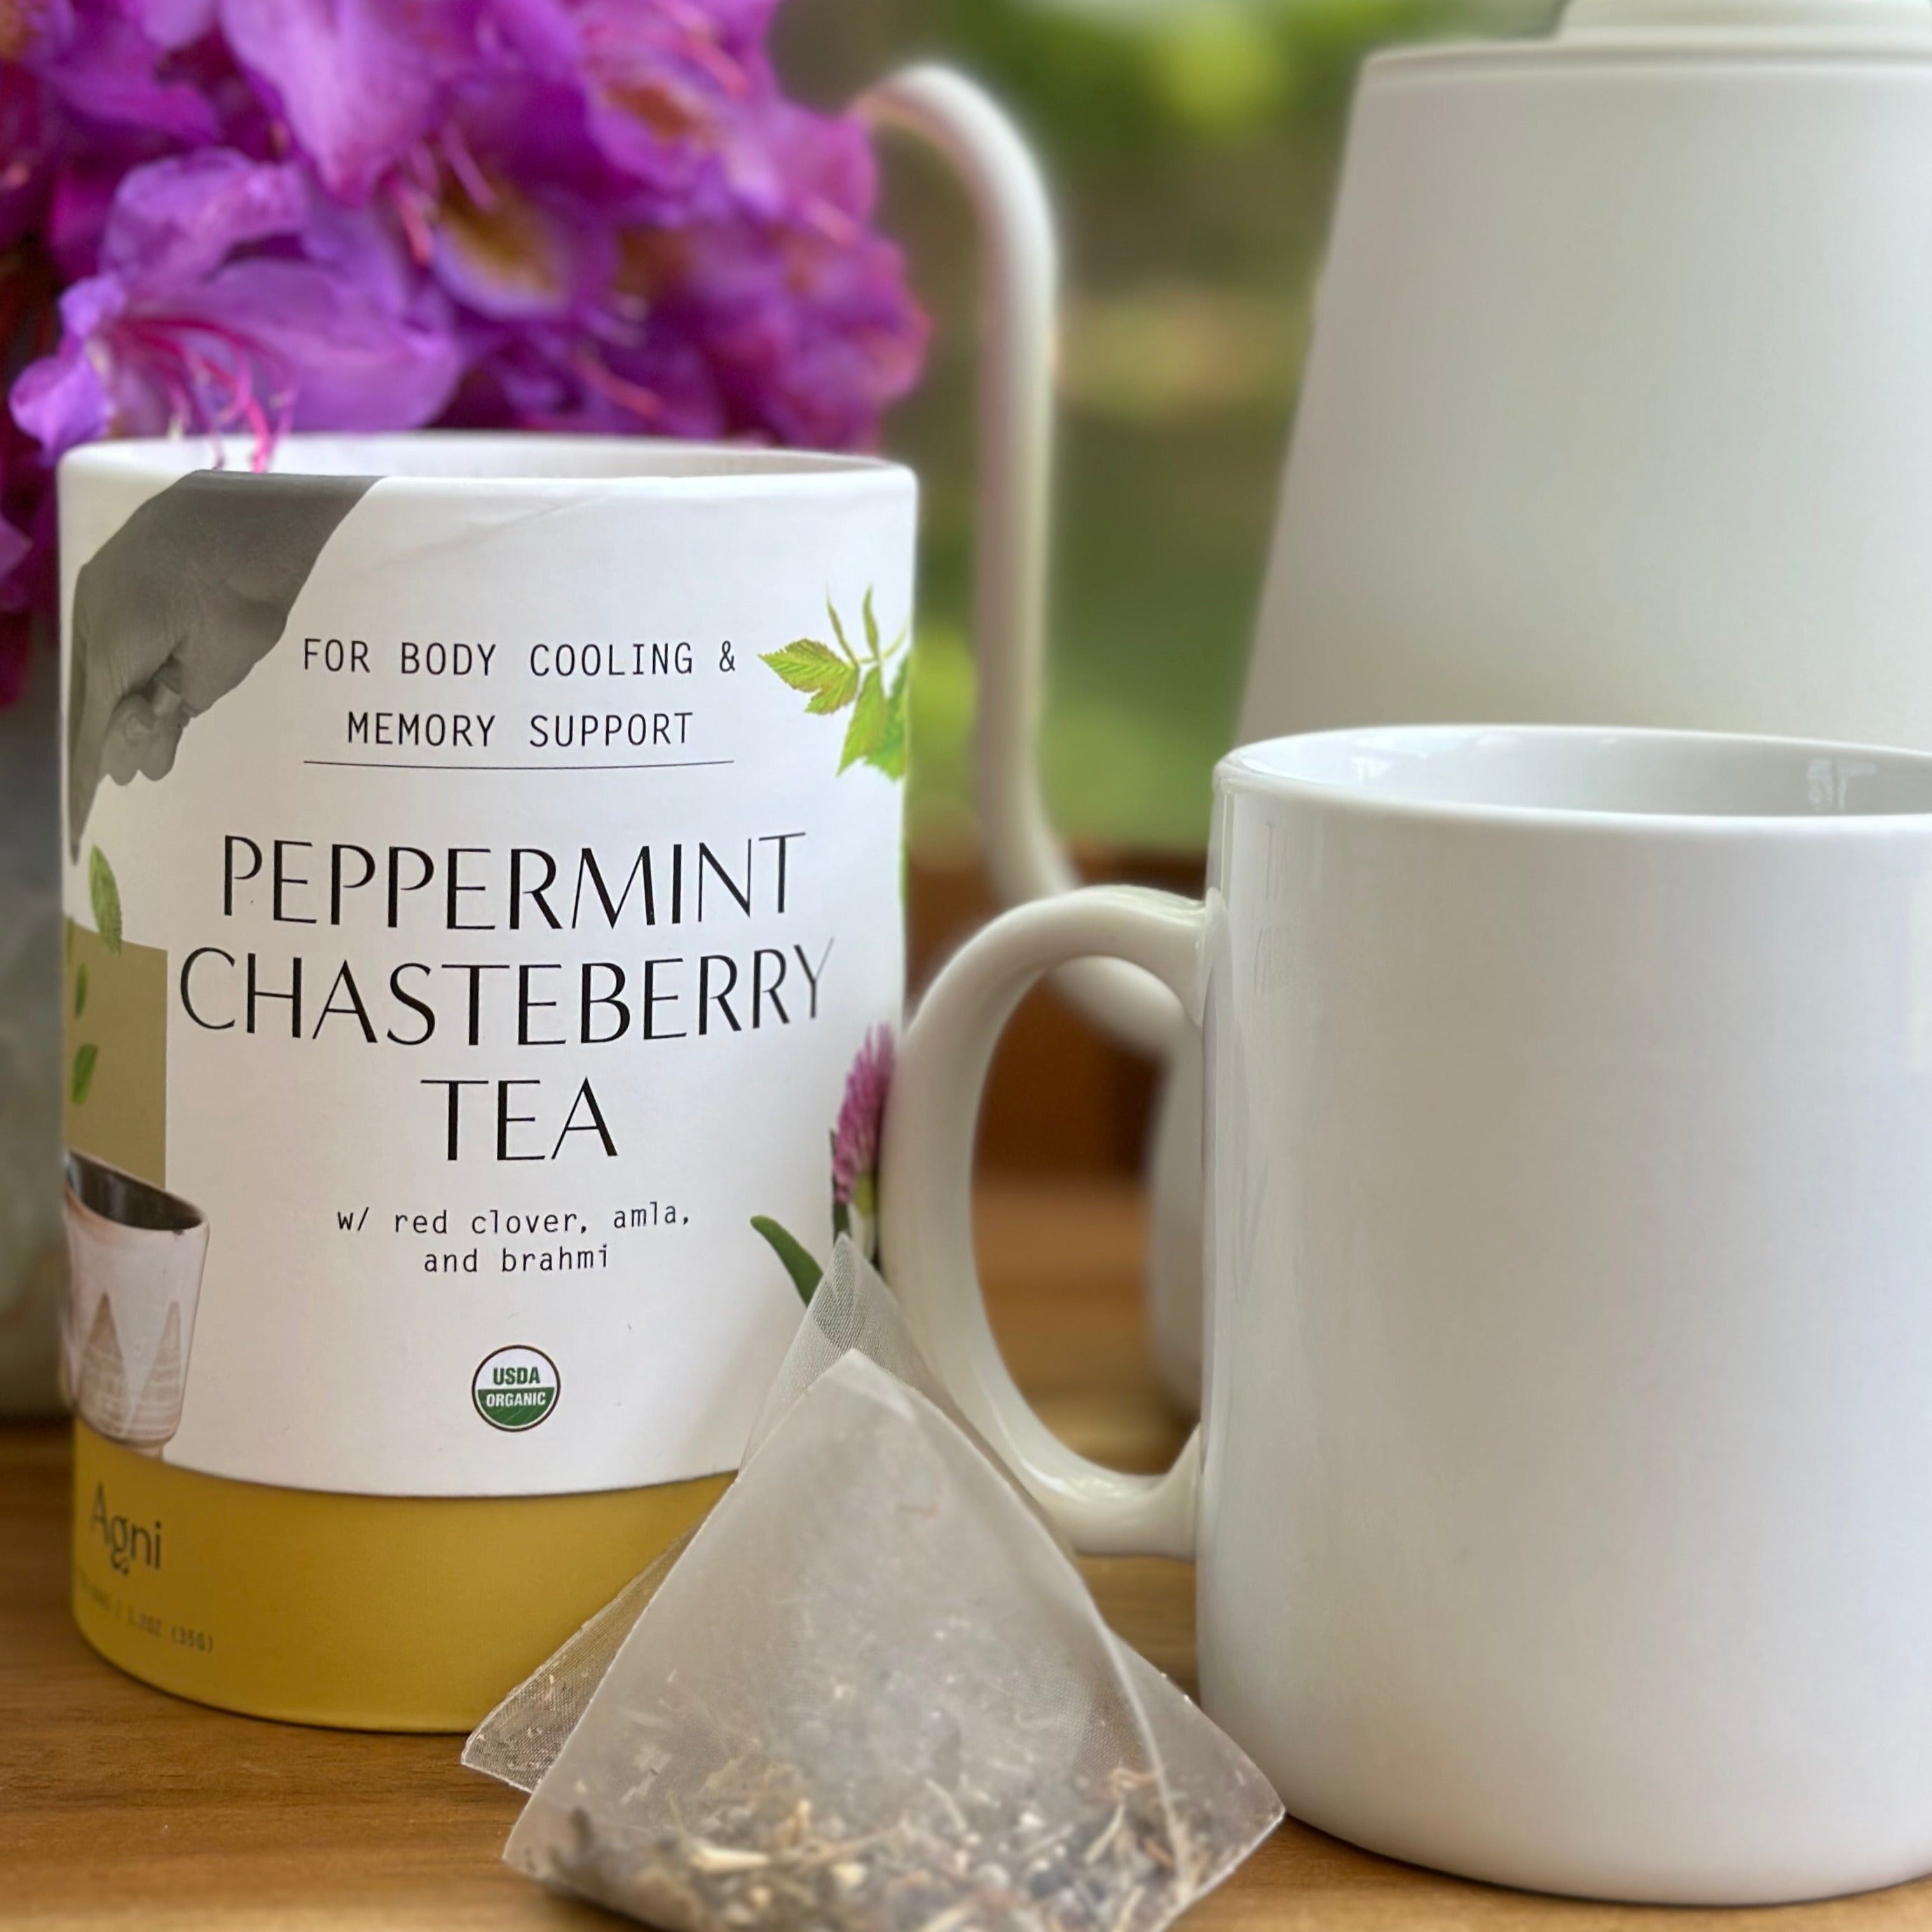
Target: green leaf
839 630
80 991
870 721
872 625
107 897
889 755
807 665
84 1057
835 697
805 1273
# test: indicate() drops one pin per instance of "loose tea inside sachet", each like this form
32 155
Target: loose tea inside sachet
874 1692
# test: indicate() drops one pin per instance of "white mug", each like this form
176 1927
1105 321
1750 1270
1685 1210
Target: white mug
1561 1502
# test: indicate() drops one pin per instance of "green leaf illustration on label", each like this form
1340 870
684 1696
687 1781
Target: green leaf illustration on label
106 895
80 990
838 629
889 754
807 665
85 1055
833 680
867 731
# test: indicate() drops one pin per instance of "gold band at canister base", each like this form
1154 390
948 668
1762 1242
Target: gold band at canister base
381 1613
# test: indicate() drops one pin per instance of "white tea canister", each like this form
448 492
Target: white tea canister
483 869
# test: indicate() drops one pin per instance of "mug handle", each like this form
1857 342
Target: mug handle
926 1184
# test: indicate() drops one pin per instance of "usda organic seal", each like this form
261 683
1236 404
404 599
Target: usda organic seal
516 1388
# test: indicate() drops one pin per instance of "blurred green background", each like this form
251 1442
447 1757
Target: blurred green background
1192 146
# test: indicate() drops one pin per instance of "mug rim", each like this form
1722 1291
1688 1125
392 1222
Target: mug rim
1246 770
1648 53
654 465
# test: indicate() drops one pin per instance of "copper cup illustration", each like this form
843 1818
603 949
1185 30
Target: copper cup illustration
135 1253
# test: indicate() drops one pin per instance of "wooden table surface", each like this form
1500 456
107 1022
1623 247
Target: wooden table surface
121 1807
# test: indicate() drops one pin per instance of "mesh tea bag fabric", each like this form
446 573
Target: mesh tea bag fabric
874 1692
518 1742
851 1310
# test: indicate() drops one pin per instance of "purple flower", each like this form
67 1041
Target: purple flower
855 1141
363 214
804 314
101 66
178 221
175 333
787 324
360 82
671 90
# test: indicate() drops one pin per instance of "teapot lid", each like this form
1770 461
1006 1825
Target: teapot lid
1653 20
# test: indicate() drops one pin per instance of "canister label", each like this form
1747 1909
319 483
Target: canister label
485 934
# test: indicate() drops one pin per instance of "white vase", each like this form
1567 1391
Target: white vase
33 1265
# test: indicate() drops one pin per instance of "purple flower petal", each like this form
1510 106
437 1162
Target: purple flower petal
104 69
89 307
855 1141
516 257
543 34
809 324
358 246
259 345
175 23
61 399
346 362
670 89
175 221
538 135
360 81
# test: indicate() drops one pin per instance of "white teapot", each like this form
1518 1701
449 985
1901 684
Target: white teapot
1618 410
